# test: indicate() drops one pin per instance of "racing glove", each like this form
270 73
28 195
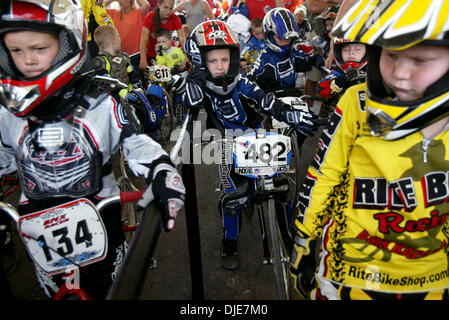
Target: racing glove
195 82
304 122
197 76
324 88
350 78
303 264
338 84
305 62
167 186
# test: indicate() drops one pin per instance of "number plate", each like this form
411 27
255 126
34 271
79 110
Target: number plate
74 230
160 73
257 154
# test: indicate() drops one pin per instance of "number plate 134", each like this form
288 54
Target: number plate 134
58 237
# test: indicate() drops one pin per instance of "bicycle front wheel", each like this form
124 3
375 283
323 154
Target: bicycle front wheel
168 121
127 173
280 256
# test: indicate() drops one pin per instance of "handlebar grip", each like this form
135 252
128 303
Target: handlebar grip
131 196
325 70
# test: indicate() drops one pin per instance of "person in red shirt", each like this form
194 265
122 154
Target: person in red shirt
128 18
161 17
256 7
292 4
153 4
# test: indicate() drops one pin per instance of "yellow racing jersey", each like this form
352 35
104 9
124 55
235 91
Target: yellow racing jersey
95 15
175 57
380 207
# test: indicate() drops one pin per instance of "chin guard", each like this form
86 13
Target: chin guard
379 122
18 99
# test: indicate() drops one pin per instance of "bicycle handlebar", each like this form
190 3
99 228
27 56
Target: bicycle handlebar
123 197
325 70
10 210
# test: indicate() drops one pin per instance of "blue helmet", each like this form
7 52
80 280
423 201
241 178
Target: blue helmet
280 22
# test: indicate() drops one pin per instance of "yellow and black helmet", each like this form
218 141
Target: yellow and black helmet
398 25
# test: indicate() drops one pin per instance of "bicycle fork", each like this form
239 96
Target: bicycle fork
267 187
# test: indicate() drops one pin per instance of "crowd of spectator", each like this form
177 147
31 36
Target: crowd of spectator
138 21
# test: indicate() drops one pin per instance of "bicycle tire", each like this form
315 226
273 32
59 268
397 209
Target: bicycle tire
168 121
125 171
279 255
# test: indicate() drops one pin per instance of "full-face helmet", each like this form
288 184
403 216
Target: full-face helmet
280 22
211 35
324 19
398 25
347 65
330 13
64 18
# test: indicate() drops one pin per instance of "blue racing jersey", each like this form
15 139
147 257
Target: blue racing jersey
240 109
274 71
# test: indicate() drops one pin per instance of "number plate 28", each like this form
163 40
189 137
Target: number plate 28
265 154
60 236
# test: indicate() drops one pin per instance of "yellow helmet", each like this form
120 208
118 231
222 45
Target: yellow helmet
398 25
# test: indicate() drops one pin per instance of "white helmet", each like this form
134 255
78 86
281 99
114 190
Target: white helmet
211 35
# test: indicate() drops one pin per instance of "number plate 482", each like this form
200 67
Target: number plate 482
261 155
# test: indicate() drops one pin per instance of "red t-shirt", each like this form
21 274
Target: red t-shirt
255 8
173 23
129 29
153 4
292 4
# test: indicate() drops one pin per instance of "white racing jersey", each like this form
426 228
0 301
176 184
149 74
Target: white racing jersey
70 164
380 207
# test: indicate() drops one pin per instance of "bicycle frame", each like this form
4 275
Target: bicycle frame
130 278
12 182
161 75
266 193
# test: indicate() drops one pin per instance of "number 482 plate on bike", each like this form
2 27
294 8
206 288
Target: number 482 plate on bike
71 233
261 154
